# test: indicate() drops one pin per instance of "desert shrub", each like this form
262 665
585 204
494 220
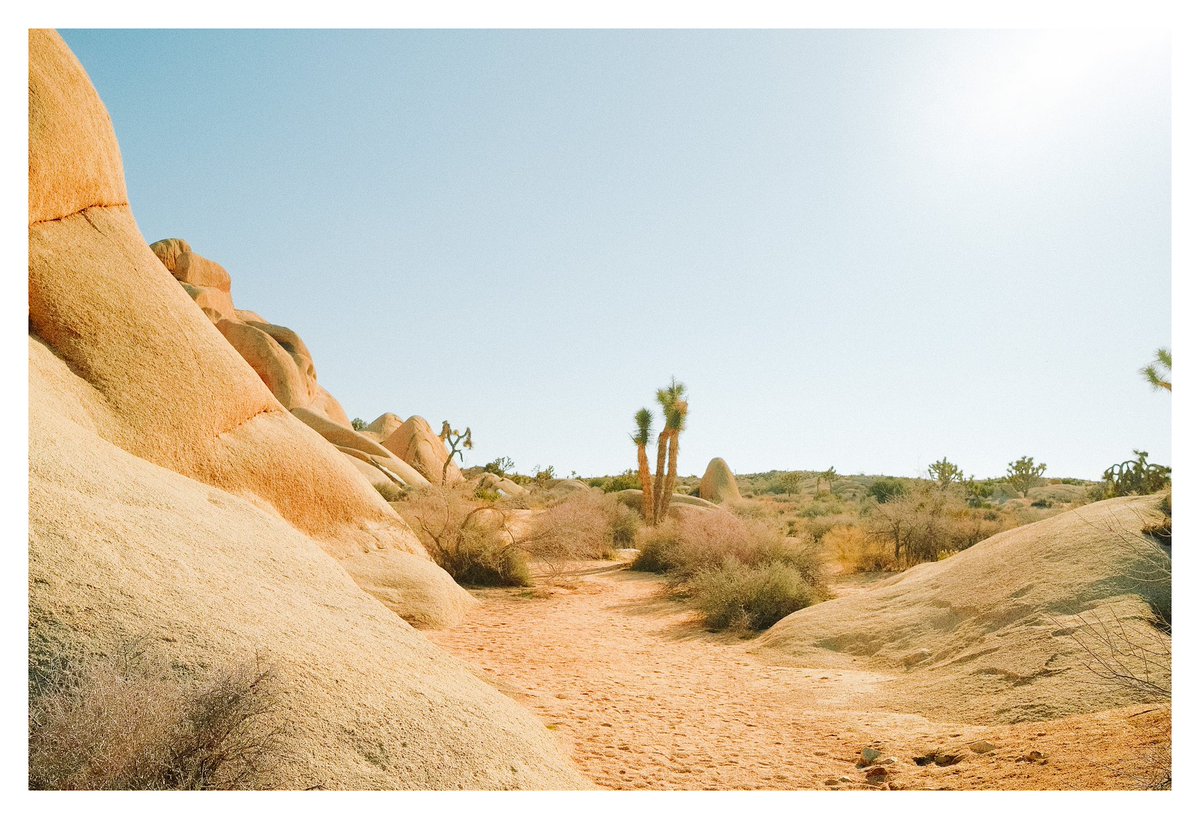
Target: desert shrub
1135 477
500 466
583 526
683 548
467 537
823 506
885 489
127 722
859 551
487 493
358 424
736 596
928 524
818 527
626 480
1042 503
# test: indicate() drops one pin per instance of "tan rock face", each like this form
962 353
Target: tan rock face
416 443
279 356
173 499
69 128
719 484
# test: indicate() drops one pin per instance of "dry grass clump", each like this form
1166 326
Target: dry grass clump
125 722
466 536
857 550
585 525
739 574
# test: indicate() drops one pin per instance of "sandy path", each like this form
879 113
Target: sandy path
644 699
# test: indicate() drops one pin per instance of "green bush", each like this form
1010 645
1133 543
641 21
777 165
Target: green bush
886 489
741 597
1135 477
724 567
474 561
626 480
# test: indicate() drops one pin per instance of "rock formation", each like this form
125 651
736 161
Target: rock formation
416 443
174 501
1002 631
718 484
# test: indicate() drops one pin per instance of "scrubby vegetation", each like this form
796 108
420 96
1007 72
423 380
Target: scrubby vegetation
466 536
737 573
483 539
129 721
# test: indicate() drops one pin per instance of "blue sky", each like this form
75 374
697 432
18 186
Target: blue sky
864 249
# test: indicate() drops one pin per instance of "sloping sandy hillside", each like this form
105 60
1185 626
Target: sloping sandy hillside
1004 631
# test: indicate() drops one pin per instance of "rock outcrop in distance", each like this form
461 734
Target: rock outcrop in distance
282 360
416 443
719 484
176 502
1008 630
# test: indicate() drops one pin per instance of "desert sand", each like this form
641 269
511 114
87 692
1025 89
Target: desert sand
642 697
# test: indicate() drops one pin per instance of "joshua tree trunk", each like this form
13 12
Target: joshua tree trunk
669 488
647 485
663 438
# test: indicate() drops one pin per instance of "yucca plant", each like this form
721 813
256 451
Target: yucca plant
1159 379
674 407
677 420
641 437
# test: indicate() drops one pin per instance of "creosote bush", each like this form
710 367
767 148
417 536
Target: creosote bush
128 722
750 598
723 565
859 551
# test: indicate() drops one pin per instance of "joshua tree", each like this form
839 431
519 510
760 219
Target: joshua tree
945 473
641 437
828 475
676 419
667 397
1159 379
457 441
1023 474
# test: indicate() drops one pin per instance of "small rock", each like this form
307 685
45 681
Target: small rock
981 746
831 781
877 775
868 756
844 779
891 760
1036 756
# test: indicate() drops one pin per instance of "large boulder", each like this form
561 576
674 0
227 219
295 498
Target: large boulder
633 499
719 484
384 426
175 503
415 443
277 354
1009 630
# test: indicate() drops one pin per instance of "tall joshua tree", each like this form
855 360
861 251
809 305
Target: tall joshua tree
669 398
641 437
1159 379
676 419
